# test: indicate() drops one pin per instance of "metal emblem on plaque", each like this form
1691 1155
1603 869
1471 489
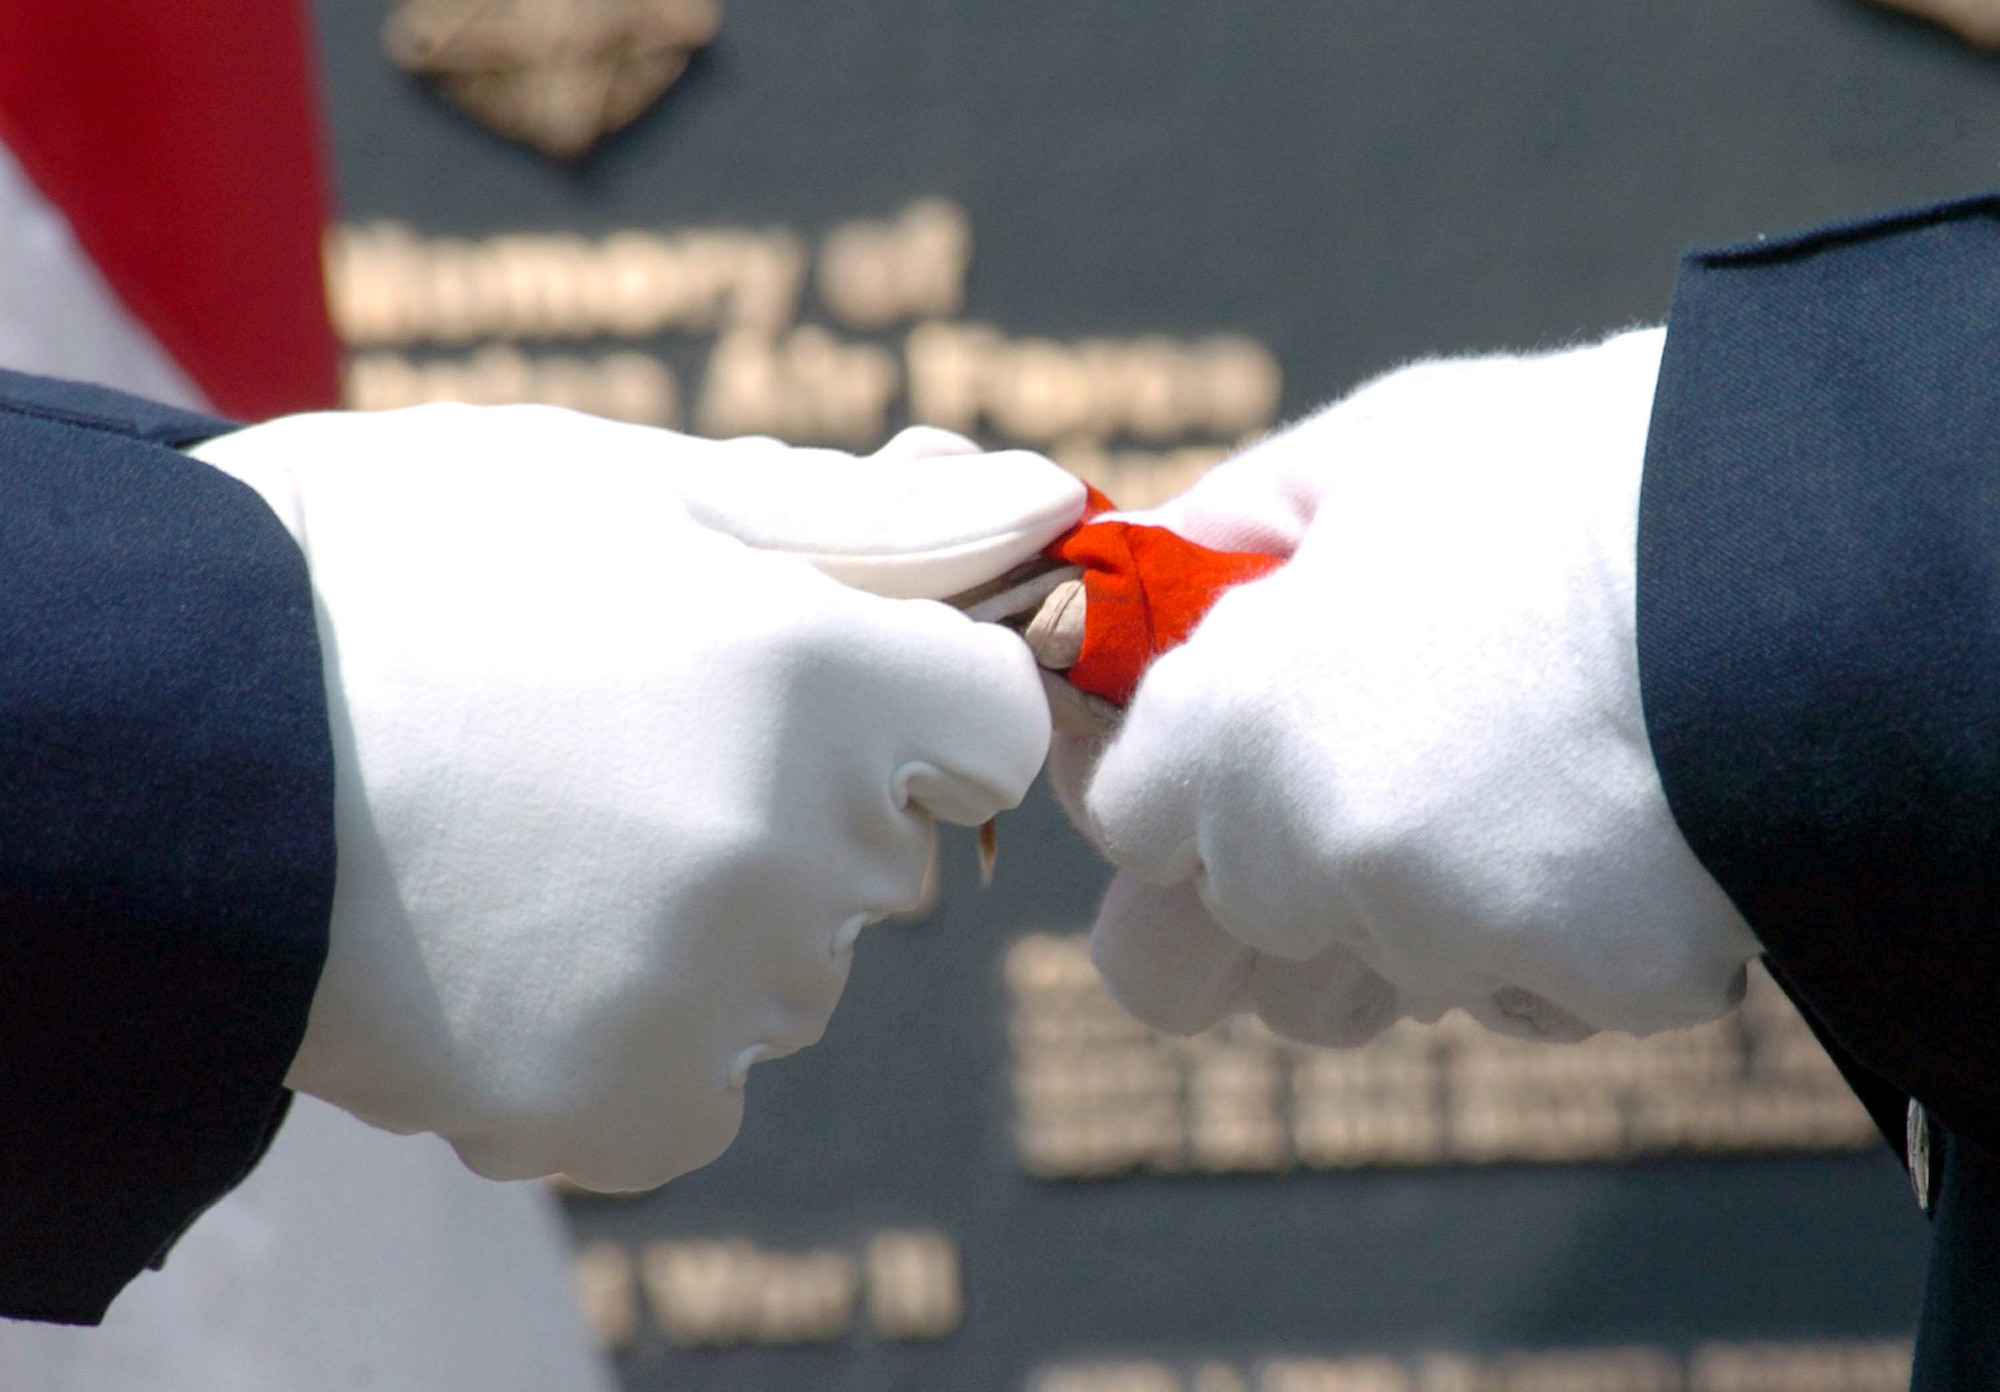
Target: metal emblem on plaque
556 74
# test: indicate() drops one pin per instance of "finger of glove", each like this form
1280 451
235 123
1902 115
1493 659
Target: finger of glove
959 705
1164 959
1213 778
926 442
926 517
1332 999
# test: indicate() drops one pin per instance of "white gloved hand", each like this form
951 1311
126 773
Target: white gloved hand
1409 770
617 779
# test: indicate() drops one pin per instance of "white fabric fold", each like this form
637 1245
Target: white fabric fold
927 516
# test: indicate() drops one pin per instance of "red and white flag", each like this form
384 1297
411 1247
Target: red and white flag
163 200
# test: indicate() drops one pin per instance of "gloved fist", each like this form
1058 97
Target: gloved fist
1409 770
620 772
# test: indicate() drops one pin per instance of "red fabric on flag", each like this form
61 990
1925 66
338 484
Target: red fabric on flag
182 141
1145 589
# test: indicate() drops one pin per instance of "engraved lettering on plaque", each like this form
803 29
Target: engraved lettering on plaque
720 1292
915 1290
710 1293
1141 417
559 75
874 274
1096 1093
606 1293
1827 1366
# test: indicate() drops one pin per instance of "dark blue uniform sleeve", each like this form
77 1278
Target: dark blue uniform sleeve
166 836
1819 643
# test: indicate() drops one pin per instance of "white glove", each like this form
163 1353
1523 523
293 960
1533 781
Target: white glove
1409 769
614 790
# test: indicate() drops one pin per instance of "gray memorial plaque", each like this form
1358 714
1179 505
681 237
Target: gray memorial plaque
1133 234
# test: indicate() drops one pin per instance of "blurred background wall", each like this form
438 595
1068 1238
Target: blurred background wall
1135 233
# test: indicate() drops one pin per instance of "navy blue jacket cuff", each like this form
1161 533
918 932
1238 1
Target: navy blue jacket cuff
166 836
1819 649
1819 625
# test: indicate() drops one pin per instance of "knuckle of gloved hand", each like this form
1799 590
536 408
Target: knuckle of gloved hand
627 1132
908 695
974 708
627 1161
504 1155
926 442
1160 773
809 984
1683 988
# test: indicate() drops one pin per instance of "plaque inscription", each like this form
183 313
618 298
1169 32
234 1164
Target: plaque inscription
1826 1366
1096 1093
904 1284
429 318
